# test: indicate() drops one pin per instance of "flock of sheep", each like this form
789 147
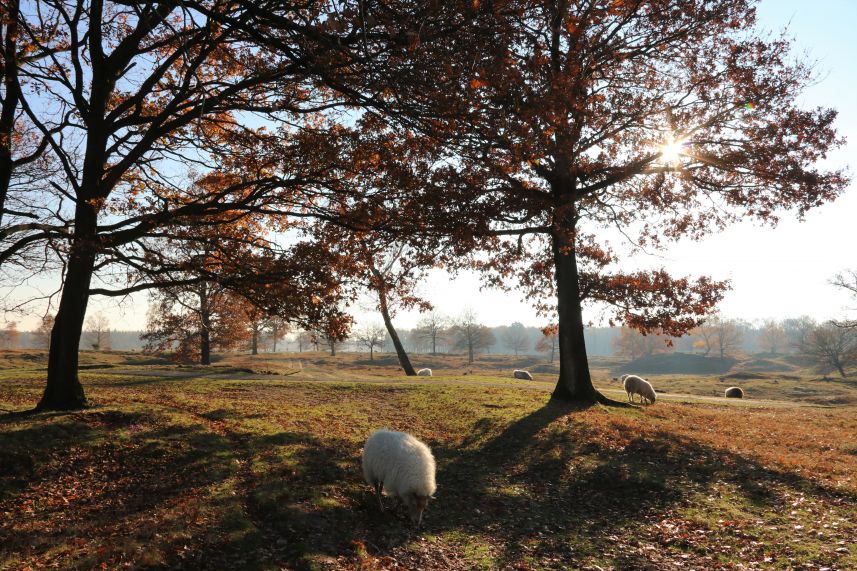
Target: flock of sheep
406 466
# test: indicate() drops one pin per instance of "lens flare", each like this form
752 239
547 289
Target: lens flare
673 150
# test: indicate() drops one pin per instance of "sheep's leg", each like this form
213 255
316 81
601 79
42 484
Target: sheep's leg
379 487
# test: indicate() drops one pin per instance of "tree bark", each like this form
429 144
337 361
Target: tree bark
332 348
254 341
575 383
404 361
63 390
205 326
10 101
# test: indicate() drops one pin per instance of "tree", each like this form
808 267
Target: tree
371 336
192 321
173 84
22 159
42 335
664 119
10 337
634 345
305 339
97 332
831 348
721 335
547 343
276 328
431 328
516 338
772 338
847 281
797 330
471 335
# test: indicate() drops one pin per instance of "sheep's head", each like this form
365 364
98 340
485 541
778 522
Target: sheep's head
416 504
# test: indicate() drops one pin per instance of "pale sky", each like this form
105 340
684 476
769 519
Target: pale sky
776 273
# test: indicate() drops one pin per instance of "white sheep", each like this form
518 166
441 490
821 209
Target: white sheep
424 373
404 465
734 393
525 375
635 385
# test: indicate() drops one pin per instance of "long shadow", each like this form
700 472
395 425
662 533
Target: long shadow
516 487
545 487
73 480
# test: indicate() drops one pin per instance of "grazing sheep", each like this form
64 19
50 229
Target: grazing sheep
525 375
403 464
635 385
424 373
734 393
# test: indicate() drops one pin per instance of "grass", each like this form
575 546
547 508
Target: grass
226 467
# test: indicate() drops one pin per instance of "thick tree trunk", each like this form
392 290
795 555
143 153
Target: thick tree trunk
575 383
371 353
404 361
63 390
332 348
254 342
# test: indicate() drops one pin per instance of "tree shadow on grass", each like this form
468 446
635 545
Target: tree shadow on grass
546 488
84 484
561 495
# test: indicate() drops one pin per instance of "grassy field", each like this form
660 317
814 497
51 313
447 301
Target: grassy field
253 463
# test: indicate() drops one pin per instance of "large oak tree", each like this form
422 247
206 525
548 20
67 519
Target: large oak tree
661 119
131 94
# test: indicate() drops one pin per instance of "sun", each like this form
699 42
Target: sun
673 150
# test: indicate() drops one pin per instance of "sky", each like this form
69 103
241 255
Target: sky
775 272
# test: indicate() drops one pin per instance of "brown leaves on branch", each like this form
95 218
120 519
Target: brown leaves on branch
655 302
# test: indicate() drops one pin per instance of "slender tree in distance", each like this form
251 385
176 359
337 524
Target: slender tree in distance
471 335
371 336
516 338
432 327
772 337
547 343
97 332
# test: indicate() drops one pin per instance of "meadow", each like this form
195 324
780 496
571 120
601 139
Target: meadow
253 463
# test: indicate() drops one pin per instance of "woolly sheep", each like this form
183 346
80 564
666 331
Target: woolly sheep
424 373
403 464
635 385
734 393
525 375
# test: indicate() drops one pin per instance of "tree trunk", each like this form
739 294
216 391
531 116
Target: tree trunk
10 101
332 348
63 390
575 383
205 329
470 352
553 350
434 344
254 341
840 369
371 353
404 361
